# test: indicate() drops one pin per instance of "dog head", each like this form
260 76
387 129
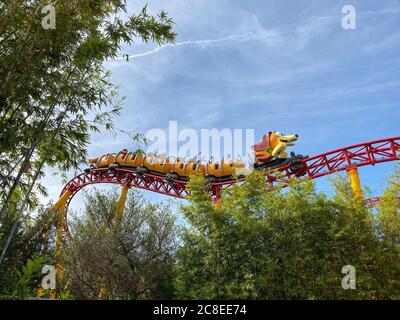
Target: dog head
276 137
279 141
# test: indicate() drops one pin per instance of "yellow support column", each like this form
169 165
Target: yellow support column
217 203
121 205
103 292
216 200
60 209
355 182
39 293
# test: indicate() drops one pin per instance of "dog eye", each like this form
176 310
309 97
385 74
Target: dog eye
279 133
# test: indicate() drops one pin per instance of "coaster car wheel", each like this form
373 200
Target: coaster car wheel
142 170
211 179
273 164
296 165
172 176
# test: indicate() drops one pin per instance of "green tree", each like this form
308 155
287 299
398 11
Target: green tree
132 261
28 277
55 89
283 244
388 231
29 242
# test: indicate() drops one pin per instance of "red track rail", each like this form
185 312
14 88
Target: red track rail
359 155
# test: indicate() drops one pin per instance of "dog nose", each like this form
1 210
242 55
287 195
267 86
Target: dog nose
296 135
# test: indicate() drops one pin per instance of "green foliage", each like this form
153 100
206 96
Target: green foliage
388 230
131 260
66 296
29 241
389 214
287 244
262 243
55 88
27 277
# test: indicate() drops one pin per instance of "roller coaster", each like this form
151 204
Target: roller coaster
171 177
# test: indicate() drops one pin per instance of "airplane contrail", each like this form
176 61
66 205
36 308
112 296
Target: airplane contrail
271 35
248 36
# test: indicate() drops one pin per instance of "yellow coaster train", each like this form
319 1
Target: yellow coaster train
269 154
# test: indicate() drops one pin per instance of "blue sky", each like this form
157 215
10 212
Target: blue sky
267 65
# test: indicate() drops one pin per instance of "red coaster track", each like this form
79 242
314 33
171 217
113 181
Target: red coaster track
359 155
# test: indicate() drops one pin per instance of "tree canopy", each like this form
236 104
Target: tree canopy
133 260
54 88
261 243
268 243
